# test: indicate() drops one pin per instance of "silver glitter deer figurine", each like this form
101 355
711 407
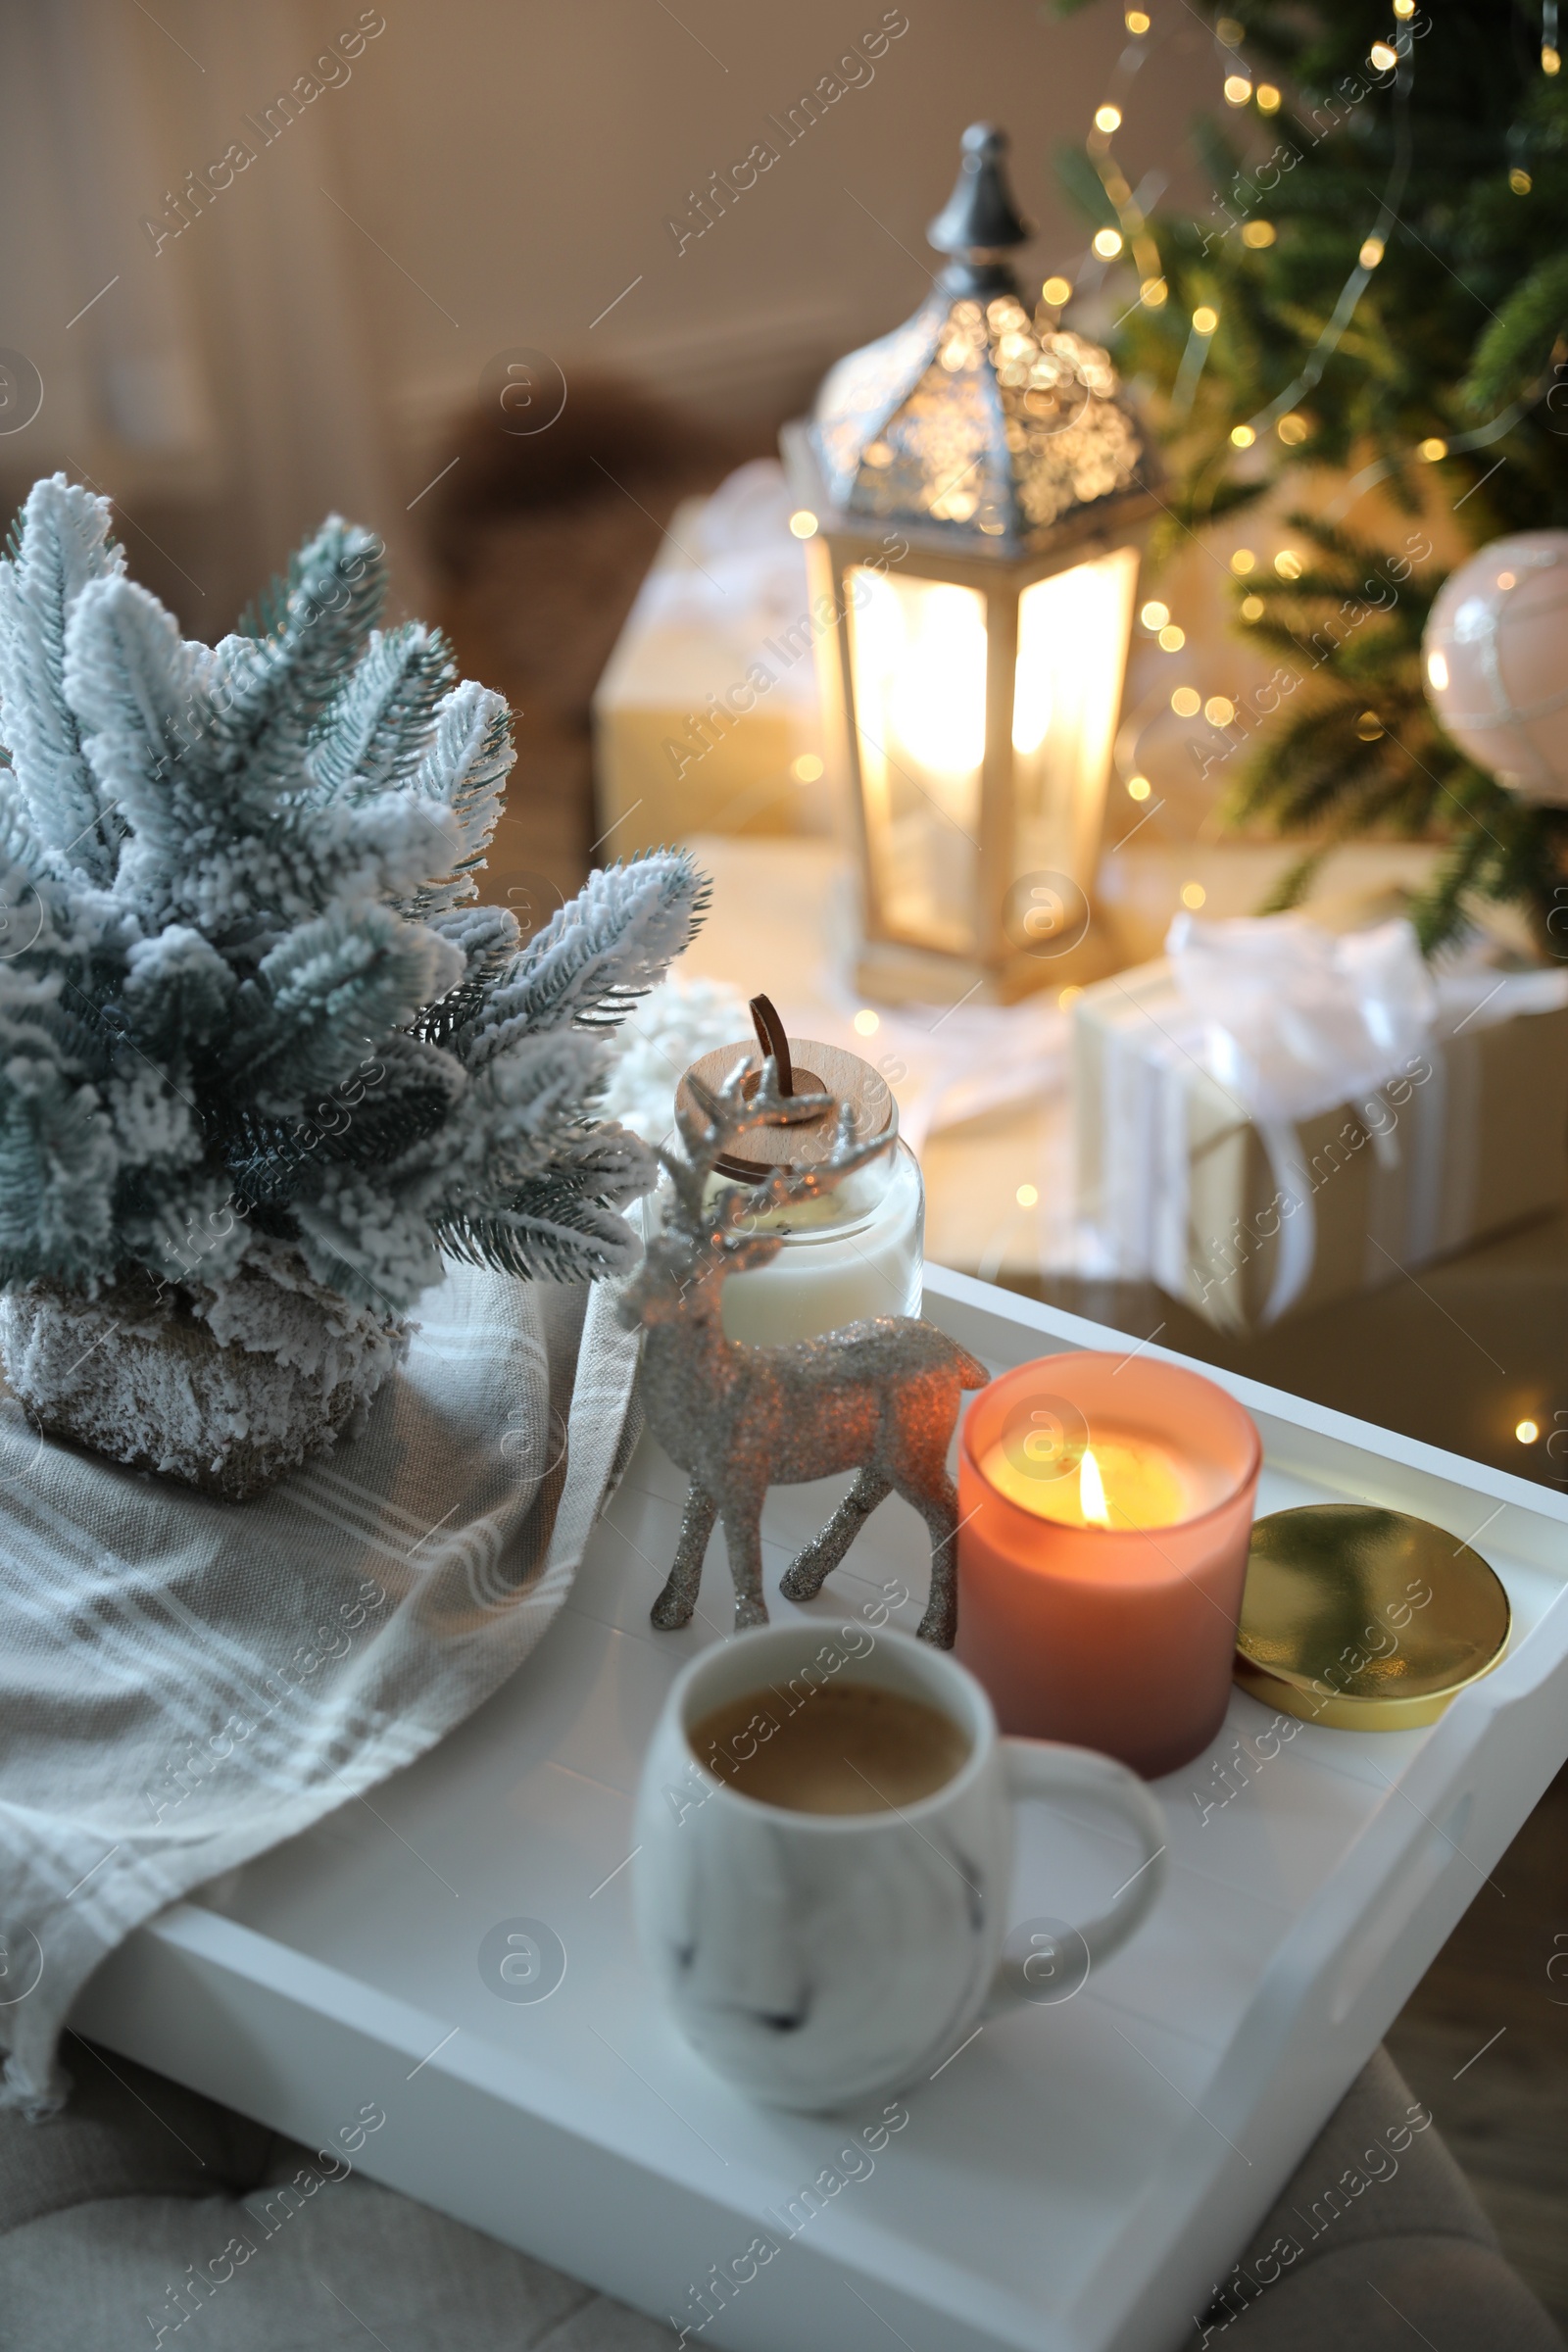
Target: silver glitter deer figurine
879 1396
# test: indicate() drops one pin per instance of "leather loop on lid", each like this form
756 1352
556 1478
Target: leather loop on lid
806 1066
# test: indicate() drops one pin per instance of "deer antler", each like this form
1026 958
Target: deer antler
716 1120
709 1122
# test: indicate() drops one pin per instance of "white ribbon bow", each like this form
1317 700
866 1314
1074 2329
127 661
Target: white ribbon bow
1299 1018
745 575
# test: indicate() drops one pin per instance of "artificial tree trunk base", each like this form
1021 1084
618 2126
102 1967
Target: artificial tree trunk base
222 1385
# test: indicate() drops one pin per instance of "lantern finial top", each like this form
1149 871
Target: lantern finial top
982 423
980 219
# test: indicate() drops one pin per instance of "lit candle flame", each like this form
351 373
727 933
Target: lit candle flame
1092 1491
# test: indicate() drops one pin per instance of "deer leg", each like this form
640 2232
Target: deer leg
743 1538
675 1605
811 1567
936 1499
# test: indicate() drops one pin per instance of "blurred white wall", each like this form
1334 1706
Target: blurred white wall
466 179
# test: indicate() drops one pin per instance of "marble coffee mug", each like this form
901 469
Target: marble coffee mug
816 1959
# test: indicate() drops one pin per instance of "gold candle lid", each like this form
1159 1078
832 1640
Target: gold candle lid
805 1066
1364 1619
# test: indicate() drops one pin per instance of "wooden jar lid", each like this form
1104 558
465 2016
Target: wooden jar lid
806 1066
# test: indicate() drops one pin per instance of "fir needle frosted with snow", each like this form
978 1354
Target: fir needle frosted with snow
262 1057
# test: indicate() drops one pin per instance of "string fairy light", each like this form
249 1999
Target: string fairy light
1131 235
1130 232
1373 249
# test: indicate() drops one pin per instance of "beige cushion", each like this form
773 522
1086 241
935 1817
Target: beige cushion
1389 2248
108 2208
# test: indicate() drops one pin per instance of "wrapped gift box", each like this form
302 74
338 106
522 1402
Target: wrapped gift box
707 718
1244 1217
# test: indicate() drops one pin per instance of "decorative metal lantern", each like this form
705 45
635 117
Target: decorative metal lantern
974 491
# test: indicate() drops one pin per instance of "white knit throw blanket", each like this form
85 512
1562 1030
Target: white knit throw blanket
184 1683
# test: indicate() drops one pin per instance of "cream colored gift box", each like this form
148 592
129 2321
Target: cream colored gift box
1177 1184
707 717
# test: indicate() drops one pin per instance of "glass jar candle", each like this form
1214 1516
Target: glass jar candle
855 1251
1105 1504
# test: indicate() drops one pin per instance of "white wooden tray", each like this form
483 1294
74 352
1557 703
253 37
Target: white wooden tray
1081 2175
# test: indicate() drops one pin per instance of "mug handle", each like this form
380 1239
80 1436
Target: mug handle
1047 1768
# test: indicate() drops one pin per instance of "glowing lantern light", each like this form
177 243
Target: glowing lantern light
982 491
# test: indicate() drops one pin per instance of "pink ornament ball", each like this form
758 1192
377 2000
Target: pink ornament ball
1495 656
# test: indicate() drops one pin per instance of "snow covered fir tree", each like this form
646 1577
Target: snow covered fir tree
264 1058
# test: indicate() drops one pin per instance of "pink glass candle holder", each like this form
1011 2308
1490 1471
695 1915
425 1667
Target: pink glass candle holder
1105 1504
